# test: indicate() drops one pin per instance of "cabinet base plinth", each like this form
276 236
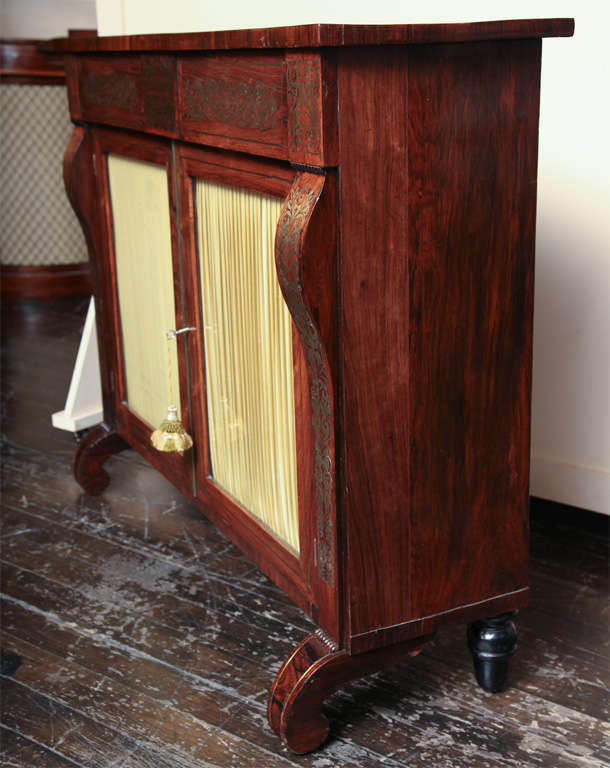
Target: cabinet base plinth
93 450
492 642
315 669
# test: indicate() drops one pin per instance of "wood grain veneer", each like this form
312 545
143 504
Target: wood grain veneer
51 282
451 418
325 36
23 62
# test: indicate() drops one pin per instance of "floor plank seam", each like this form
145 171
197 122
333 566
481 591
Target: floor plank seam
42 746
141 742
142 551
106 640
237 656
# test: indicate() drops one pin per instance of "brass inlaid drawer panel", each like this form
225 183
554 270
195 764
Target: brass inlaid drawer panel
238 102
279 105
129 92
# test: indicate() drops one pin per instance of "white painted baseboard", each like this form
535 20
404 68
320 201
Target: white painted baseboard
573 484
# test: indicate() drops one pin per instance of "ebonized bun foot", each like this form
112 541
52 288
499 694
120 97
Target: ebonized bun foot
492 642
9 663
92 451
315 669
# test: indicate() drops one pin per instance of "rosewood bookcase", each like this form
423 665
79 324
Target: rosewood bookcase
345 217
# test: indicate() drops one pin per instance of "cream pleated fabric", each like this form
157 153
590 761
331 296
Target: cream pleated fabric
143 252
248 355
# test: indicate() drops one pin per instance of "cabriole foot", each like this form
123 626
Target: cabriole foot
92 451
315 669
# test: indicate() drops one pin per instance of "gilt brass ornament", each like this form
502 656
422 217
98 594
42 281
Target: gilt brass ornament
171 436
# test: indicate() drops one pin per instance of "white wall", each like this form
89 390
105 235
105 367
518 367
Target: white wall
571 398
45 18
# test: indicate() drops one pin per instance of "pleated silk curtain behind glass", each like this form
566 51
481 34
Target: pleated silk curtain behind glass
248 355
145 282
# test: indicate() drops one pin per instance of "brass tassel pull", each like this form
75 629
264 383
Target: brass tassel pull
171 435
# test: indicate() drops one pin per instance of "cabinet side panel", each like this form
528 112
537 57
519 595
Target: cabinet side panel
473 126
145 283
372 91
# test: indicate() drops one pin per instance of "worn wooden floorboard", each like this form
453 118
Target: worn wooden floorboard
163 597
161 523
19 752
167 596
197 551
74 736
155 725
147 639
90 564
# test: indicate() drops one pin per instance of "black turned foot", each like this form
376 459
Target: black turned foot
492 642
9 663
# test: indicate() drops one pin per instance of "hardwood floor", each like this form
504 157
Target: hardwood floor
145 638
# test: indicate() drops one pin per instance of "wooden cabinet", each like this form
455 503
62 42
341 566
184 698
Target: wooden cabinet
345 216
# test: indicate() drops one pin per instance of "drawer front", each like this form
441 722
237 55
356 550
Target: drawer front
270 104
237 102
129 92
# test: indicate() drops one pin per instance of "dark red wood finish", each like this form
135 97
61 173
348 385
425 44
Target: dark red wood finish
267 104
441 448
471 253
80 183
374 334
317 284
23 62
45 282
93 450
405 255
302 259
315 669
311 84
235 102
325 36
136 92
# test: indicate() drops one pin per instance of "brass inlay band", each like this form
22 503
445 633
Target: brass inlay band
116 90
295 215
244 104
303 81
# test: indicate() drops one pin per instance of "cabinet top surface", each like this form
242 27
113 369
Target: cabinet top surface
321 35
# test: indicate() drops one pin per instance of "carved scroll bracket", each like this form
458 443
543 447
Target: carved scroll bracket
76 159
80 185
291 230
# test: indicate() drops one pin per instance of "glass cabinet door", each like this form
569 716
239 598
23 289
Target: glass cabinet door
139 268
140 209
248 352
